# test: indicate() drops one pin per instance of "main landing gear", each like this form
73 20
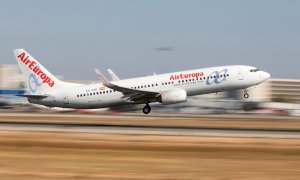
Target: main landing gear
146 109
246 95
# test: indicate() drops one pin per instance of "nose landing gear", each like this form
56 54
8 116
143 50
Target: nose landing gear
246 95
147 109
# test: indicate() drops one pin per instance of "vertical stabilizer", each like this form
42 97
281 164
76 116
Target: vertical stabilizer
39 79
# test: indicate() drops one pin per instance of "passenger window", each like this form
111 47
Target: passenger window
148 85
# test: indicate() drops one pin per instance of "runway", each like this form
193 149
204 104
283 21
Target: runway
135 124
126 146
149 130
151 116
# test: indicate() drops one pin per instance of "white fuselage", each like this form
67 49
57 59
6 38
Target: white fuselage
194 82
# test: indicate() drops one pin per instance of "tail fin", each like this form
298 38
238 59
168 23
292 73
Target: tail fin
39 79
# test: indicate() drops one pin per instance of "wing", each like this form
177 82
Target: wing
134 94
131 94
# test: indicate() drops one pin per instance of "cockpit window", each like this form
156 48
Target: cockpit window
254 70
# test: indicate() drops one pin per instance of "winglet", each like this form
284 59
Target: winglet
101 76
113 75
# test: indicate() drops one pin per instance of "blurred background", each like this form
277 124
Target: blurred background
211 136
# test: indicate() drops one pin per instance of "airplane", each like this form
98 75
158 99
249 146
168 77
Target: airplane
170 88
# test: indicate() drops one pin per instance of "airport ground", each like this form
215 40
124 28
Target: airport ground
72 146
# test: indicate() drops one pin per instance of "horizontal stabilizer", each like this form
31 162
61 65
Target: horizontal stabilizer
35 96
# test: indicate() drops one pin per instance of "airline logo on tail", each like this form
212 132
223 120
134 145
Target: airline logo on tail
33 65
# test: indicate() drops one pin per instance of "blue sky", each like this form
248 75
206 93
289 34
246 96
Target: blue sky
71 38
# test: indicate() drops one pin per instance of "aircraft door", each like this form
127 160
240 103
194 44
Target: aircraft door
240 74
65 100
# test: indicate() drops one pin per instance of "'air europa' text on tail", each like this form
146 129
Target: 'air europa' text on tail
33 65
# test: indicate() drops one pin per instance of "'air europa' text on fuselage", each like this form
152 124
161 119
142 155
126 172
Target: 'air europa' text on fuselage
186 76
33 66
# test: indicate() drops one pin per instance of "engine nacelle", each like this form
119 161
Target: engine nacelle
173 96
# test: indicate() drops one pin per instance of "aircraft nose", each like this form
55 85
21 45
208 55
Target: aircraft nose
265 75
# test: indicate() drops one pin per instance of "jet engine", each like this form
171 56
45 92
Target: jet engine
173 96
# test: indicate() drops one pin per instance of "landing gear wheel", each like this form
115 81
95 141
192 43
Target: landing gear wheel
146 109
246 95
